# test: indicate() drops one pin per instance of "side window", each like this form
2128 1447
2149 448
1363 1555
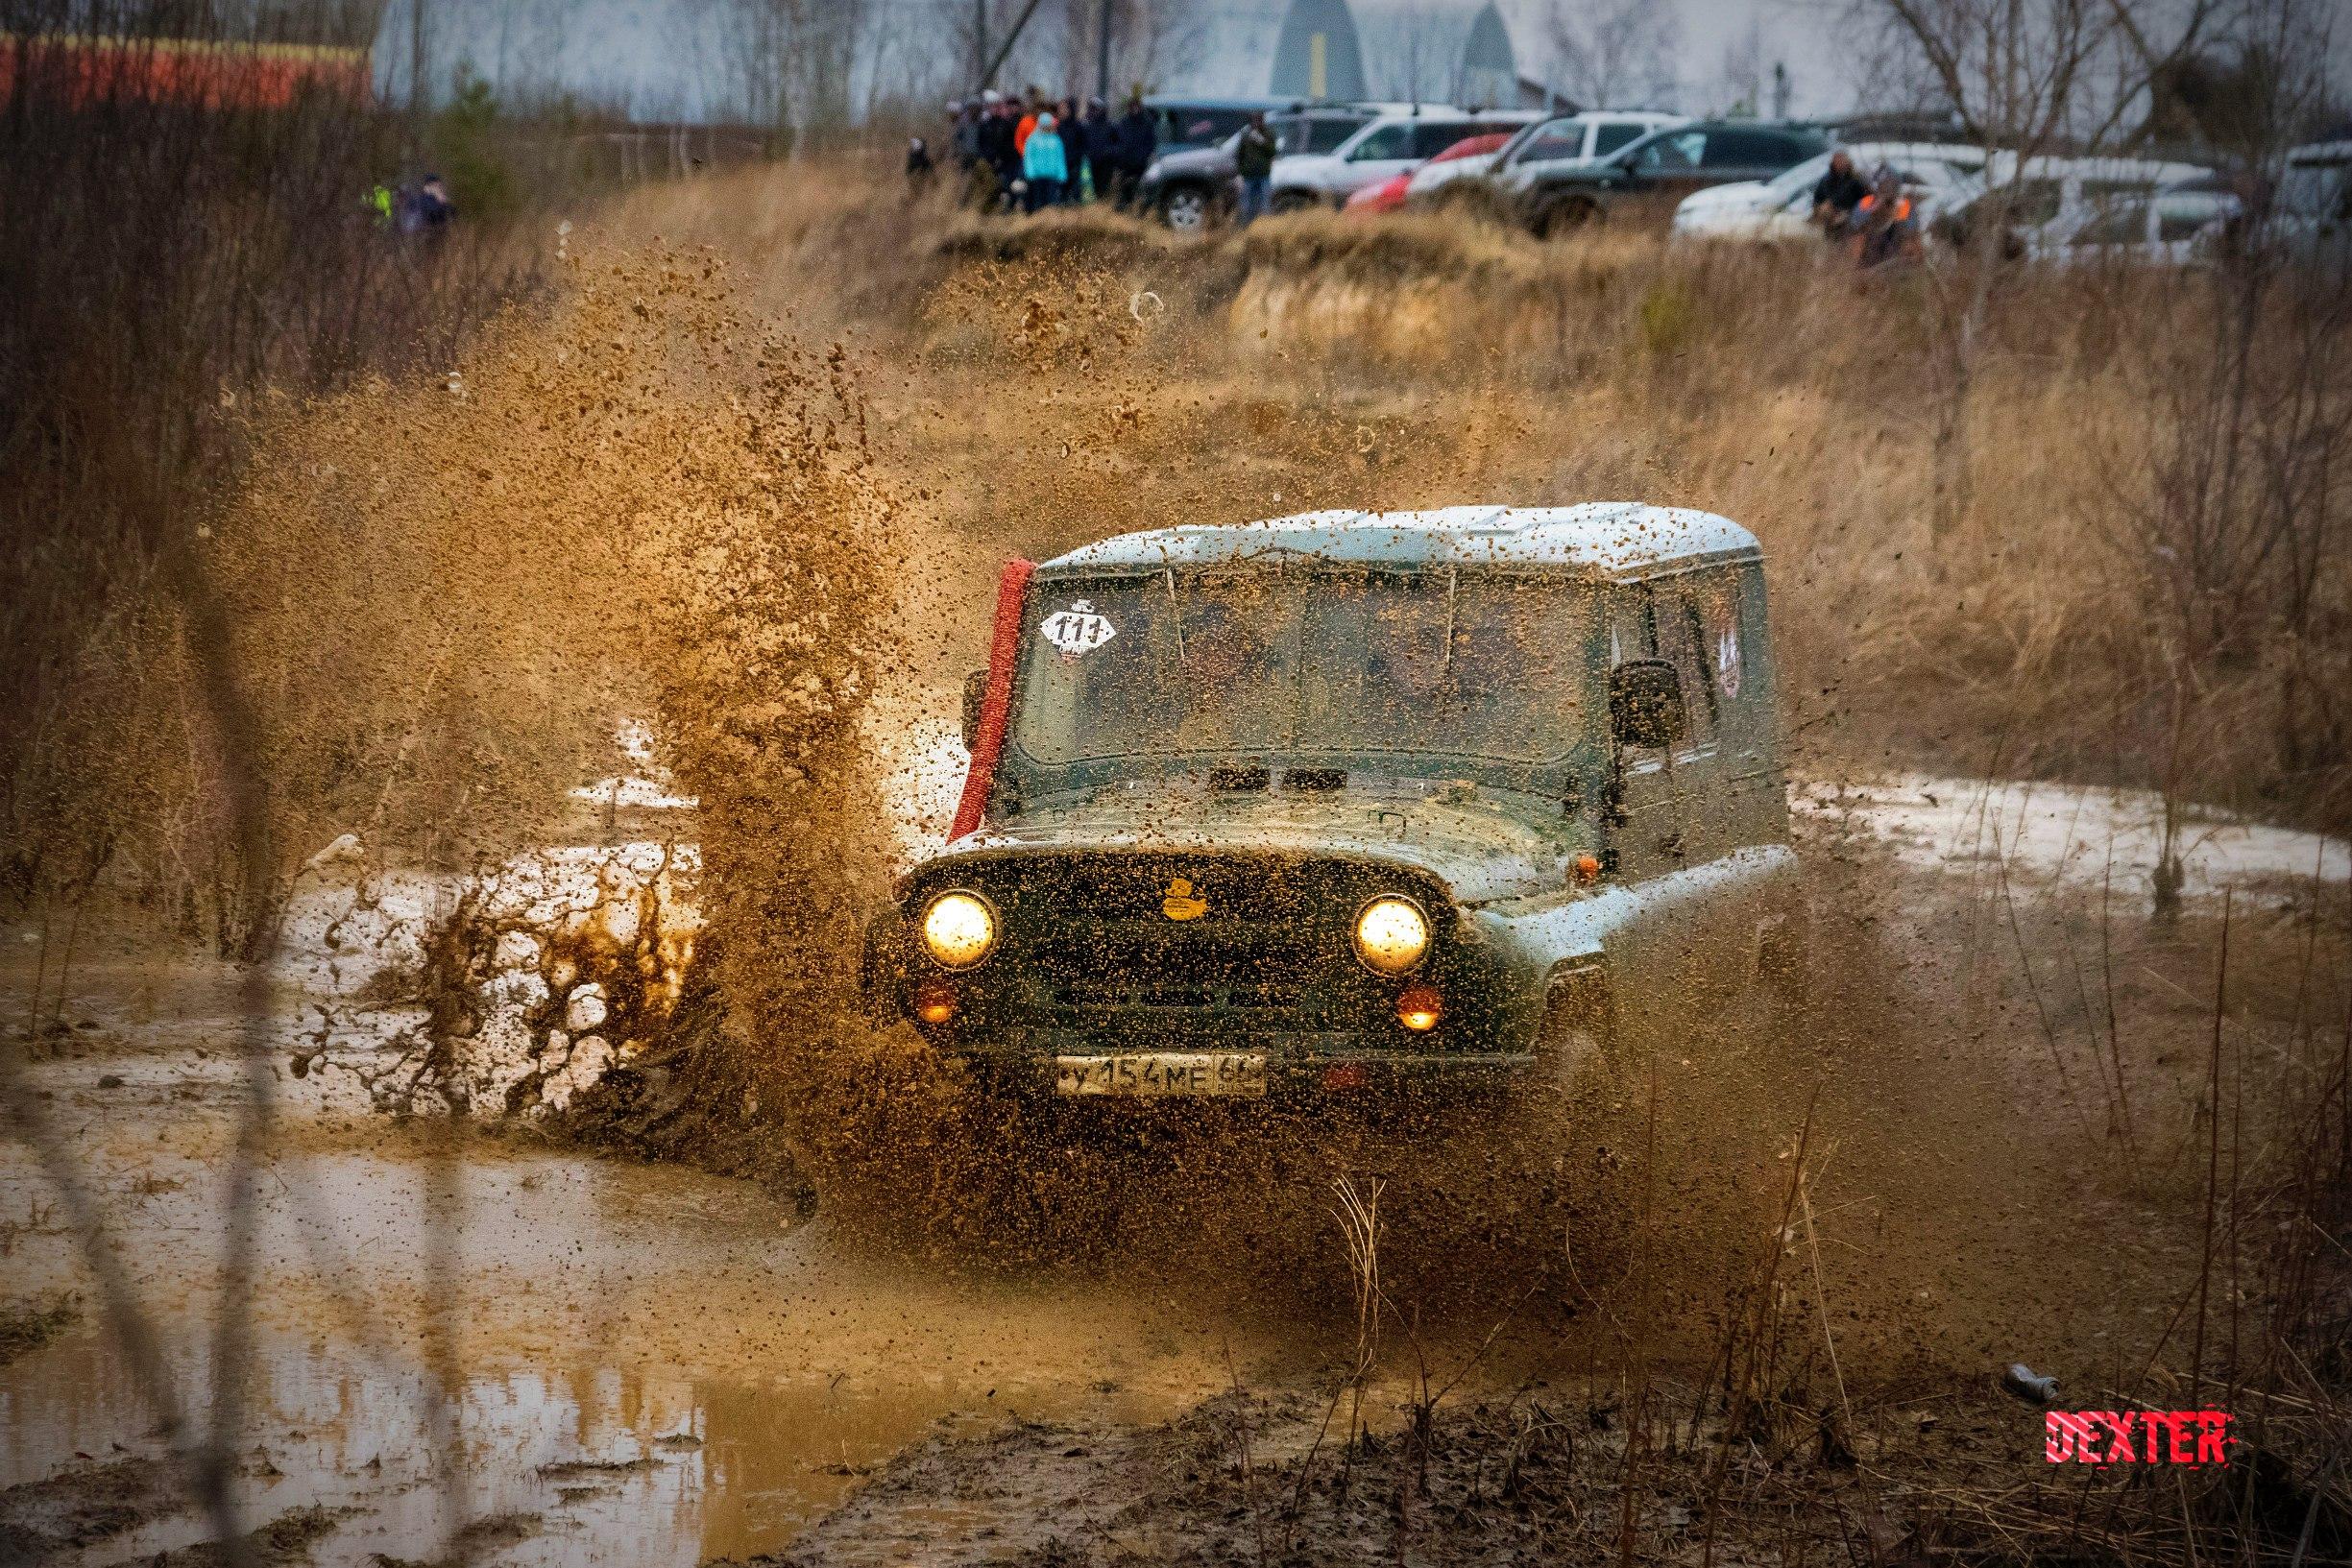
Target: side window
1671 155
1629 626
2172 227
1561 138
1326 136
1389 141
1614 134
1432 138
1679 612
1740 149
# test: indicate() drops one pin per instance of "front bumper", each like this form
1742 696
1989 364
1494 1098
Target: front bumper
1318 1070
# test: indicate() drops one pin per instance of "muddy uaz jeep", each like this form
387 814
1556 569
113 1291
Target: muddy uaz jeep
1316 805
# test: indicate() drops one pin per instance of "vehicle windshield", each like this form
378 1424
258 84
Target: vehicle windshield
1803 177
1301 134
1211 666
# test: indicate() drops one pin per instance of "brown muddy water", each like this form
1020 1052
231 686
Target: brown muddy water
641 1364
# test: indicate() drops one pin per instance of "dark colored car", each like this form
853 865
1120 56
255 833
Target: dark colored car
1189 124
1667 165
1192 188
1348 800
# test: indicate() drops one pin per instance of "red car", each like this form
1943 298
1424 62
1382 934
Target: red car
1389 196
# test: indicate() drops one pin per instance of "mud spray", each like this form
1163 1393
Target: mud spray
634 504
639 502
642 500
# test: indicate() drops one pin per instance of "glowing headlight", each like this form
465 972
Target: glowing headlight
1392 934
960 929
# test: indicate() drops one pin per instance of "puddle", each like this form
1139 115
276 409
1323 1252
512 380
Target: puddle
661 1367
622 1466
2071 835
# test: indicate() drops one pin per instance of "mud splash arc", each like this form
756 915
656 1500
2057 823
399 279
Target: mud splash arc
637 503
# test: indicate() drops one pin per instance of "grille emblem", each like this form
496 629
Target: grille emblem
1181 903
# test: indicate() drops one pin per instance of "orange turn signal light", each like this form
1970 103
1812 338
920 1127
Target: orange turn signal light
1419 1008
936 1002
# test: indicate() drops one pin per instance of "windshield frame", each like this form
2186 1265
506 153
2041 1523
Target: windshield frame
1572 774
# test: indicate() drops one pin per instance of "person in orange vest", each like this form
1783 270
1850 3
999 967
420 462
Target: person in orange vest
1884 230
1029 123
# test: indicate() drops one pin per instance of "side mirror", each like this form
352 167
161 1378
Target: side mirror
1645 703
975 698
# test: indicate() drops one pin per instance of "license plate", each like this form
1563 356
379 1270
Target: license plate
1169 1072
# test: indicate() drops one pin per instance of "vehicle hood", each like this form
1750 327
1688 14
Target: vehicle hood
1204 162
1480 845
1740 194
1438 174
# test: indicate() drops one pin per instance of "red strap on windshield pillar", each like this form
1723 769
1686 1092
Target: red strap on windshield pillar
1003 644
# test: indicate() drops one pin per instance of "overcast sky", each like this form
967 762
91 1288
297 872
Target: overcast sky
1804 34
671 58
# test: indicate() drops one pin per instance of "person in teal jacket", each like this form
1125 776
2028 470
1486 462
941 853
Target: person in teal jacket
1045 165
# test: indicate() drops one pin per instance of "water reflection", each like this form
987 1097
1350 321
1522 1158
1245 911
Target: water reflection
659 1366
617 1464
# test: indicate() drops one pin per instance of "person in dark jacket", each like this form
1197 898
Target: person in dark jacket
1138 139
1253 159
1837 194
963 133
998 118
1101 139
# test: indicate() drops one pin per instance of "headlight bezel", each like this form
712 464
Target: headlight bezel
988 912
1420 955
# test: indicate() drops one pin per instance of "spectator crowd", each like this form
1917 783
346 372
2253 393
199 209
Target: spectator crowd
1026 153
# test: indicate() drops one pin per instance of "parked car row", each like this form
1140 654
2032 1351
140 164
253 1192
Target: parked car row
1734 180
1556 171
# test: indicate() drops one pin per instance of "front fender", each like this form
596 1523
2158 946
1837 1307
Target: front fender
1629 929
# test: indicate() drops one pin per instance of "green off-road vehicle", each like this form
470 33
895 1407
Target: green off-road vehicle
1321 805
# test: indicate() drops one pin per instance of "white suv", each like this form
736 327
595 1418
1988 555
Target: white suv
1387 147
1938 176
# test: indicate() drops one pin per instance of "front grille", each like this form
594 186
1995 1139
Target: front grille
1090 944
1254 966
1076 999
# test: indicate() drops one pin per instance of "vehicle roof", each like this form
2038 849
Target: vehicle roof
1647 116
1940 152
1181 101
2059 166
1613 539
1447 112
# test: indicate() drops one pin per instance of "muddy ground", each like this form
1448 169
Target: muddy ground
1752 1307
645 1364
